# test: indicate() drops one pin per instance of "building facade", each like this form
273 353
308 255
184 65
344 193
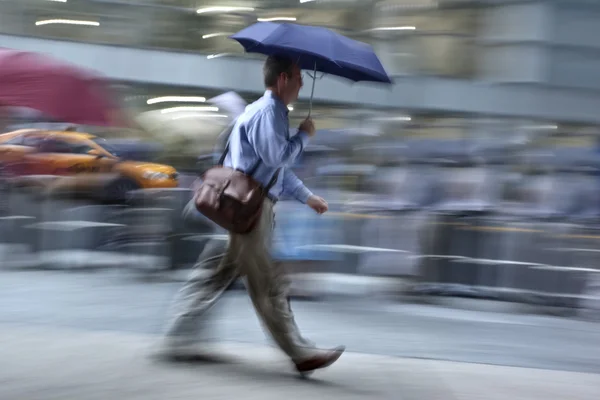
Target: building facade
536 60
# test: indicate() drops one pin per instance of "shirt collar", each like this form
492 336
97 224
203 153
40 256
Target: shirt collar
270 95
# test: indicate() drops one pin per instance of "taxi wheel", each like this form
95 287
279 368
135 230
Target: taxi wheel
118 190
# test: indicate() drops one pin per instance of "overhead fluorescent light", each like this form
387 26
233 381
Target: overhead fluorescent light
395 28
59 1
182 99
397 118
541 127
216 34
306 1
211 56
190 108
67 22
219 9
276 19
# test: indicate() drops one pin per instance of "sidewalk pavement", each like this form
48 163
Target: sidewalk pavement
305 285
46 363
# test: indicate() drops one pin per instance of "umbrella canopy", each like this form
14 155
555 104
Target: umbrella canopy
315 48
61 91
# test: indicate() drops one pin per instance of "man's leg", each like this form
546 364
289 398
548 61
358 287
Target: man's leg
267 285
212 275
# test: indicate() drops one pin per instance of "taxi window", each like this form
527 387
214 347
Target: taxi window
32 141
17 140
63 146
79 148
54 146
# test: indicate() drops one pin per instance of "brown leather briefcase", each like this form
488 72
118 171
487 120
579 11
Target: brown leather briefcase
231 198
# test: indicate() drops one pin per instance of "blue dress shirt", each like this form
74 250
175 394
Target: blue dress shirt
261 136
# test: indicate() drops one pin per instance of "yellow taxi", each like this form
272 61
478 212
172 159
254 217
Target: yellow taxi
28 152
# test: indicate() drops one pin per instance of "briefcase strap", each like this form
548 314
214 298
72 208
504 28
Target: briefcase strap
252 170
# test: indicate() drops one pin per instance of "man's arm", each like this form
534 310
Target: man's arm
293 186
268 136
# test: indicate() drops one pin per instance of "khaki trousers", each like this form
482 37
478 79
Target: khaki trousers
267 283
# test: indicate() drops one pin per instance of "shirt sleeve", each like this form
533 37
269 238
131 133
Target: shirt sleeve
293 186
268 135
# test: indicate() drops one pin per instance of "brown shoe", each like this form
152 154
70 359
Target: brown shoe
322 360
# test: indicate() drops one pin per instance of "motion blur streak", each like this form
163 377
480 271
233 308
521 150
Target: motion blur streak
459 259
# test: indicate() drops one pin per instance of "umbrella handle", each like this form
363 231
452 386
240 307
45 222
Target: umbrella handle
312 92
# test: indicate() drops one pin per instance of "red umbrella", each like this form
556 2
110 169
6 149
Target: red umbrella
59 90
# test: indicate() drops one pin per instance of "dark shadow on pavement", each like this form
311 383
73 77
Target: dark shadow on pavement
258 372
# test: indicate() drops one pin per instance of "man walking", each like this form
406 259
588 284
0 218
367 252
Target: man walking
260 141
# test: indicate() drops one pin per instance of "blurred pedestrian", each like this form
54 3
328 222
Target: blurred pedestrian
260 141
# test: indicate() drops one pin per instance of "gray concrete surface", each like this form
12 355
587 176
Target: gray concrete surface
65 364
120 302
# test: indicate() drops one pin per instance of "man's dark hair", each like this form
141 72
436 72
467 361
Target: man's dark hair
275 65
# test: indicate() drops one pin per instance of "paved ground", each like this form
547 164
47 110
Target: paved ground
63 364
88 336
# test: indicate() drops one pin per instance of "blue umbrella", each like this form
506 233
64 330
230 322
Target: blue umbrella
315 48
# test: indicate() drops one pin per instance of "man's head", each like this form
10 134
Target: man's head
283 77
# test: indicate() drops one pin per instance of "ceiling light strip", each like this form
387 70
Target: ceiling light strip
66 22
219 9
395 28
216 34
180 109
182 99
272 19
211 56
